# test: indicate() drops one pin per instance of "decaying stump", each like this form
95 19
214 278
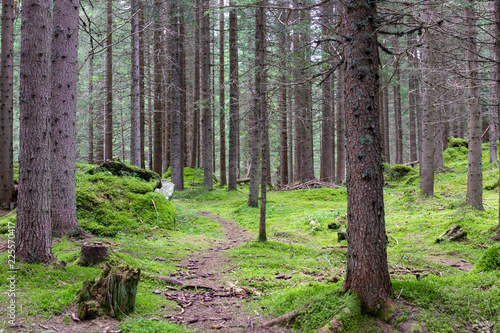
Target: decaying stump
92 254
113 294
454 233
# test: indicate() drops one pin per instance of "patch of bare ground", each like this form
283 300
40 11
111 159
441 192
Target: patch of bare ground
457 263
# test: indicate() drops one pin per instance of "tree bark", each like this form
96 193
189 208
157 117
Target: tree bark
33 228
428 116
282 106
142 95
367 269
108 119
159 108
6 106
233 101
497 77
475 164
493 133
340 124
207 129
135 95
412 101
177 165
63 117
90 128
398 132
222 100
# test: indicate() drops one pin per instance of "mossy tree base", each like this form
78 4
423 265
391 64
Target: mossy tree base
113 294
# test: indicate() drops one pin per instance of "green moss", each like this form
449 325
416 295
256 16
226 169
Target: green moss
457 142
452 155
7 222
490 260
398 171
192 176
151 326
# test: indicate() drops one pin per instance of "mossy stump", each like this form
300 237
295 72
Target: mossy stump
453 234
113 294
92 254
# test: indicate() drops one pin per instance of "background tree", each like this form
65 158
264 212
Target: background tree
207 129
6 106
135 95
33 228
108 118
233 101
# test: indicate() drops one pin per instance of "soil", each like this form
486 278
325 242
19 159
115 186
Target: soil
212 306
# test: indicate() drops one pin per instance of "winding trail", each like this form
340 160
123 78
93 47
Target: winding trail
215 308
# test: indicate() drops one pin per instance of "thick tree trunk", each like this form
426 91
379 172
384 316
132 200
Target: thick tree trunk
108 119
159 108
63 117
367 269
195 140
177 150
233 101
135 95
497 77
33 228
6 106
475 165
207 129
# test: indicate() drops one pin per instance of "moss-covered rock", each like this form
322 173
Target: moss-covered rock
490 260
457 142
192 176
118 168
398 171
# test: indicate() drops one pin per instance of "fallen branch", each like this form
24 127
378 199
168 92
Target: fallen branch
179 283
283 319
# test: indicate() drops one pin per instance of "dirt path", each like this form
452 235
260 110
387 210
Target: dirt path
216 309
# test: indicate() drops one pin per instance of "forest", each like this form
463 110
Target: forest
249 166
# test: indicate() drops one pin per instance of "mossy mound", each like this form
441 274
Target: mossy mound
454 155
457 142
490 261
192 176
108 204
118 168
398 171
7 222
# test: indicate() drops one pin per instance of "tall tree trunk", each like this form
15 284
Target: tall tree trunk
207 129
497 76
6 106
397 109
387 128
382 119
33 228
493 133
341 72
63 117
412 101
135 95
428 117
327 169
159 108
142 95
90 129
261 91
177 165
222 100
367 269
108 119
150 107
233 100
475 165
282 106
195 140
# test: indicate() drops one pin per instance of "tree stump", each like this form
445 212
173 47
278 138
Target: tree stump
113 294
453 234
92 254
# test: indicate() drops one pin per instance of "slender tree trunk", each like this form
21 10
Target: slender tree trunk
261 91
222 100
382 119
159 107
412 102
387 128
475 165
282 106
438 141
195 153
150 108
177 166
6 106
233 100
398 133
497 77
493 134
33 228
206 98
367 269
90 129
63 117
428 118
341 72
142 113
108 119
135 95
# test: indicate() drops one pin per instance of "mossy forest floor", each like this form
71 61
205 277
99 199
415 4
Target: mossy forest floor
438 287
